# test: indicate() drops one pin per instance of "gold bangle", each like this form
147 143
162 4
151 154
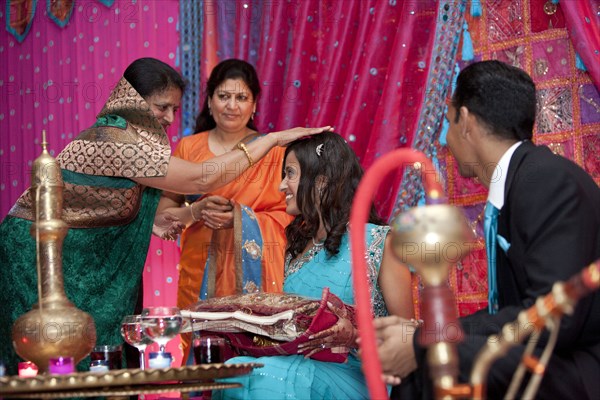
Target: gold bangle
243 148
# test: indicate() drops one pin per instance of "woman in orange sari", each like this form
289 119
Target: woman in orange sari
234 239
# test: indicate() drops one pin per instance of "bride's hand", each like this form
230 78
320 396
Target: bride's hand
341 336
283 138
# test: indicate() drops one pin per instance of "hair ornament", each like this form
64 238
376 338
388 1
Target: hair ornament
319 149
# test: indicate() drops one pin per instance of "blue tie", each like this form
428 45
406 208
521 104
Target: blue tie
490 227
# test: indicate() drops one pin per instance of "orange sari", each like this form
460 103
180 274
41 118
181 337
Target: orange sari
258 190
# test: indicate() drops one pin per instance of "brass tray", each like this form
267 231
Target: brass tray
121 392
84 381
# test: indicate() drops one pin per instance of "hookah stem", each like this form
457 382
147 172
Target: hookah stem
358 218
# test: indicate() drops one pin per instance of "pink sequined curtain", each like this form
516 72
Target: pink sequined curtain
583 21
57 79
359 66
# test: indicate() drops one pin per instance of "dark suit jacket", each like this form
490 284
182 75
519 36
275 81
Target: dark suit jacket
551 218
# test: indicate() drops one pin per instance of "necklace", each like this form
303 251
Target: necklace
291 266
318 244
222 146
225 148
216 139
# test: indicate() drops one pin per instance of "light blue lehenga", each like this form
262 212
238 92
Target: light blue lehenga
294 377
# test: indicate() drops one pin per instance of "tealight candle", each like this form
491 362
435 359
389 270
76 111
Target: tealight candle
61 365
109 353
99 366
27 369
160 360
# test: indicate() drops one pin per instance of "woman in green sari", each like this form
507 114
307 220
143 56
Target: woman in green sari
113 174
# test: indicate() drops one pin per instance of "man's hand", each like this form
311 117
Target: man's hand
395 349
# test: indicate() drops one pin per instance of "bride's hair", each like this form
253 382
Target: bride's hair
330 172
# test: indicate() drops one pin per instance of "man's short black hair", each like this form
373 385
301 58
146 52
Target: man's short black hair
500 96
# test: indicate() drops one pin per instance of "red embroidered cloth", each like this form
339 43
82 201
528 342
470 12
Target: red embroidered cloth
266 324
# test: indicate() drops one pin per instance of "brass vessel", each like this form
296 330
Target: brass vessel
54 327
431 238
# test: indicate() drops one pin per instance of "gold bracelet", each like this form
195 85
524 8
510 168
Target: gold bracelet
243 148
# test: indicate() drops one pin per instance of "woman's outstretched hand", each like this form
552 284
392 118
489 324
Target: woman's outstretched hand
284 138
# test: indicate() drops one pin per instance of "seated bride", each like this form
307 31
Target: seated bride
320 177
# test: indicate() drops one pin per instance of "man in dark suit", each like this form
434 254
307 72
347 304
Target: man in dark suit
548 231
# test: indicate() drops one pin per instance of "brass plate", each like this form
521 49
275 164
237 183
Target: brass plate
122 377
128 390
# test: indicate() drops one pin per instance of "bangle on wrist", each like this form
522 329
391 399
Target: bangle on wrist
243 148
192 212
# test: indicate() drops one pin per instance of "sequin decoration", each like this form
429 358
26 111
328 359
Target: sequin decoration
439 79
541 67
514 56
251 287
374 257
249 212
550 8
554 110
506 22
190 19
253 249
